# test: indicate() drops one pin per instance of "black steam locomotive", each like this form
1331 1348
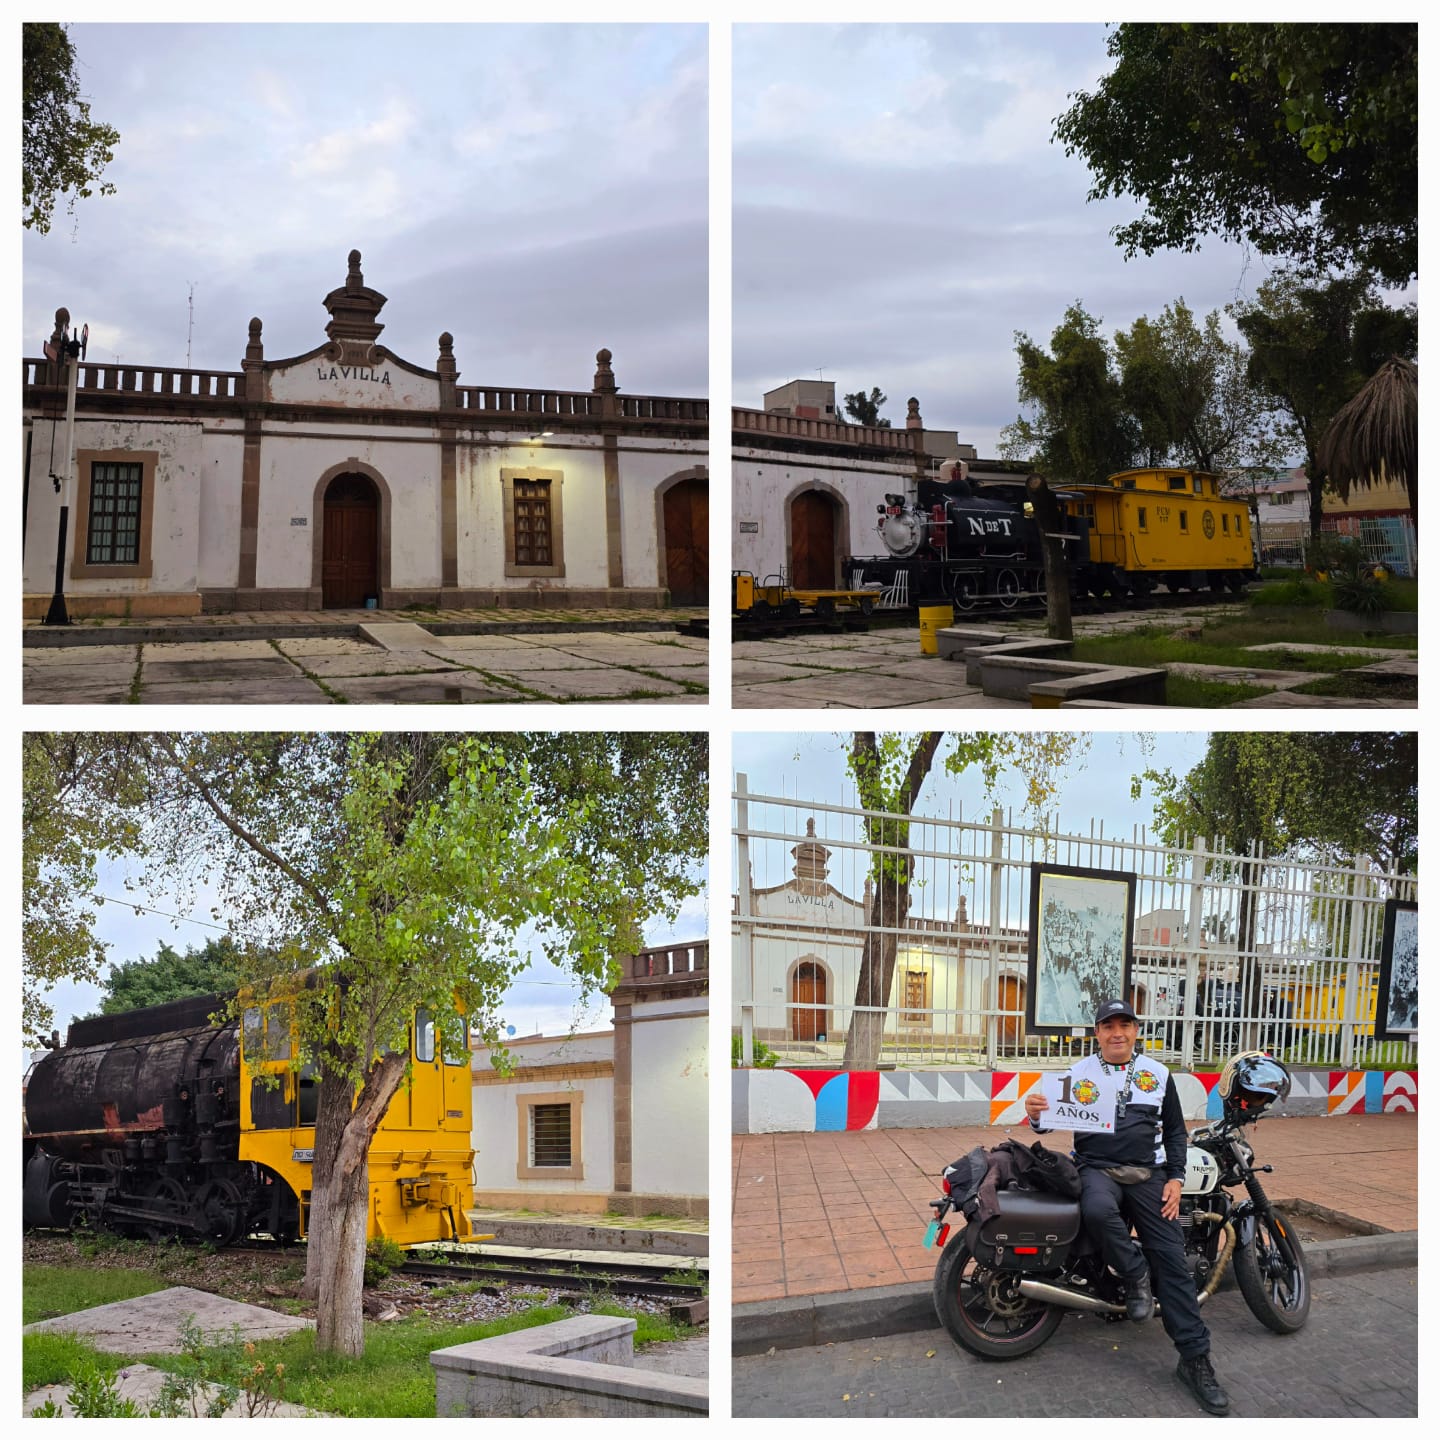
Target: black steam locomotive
961 546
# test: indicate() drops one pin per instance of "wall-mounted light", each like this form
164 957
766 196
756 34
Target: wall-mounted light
542 435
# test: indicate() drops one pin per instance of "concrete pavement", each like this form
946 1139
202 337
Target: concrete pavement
369 657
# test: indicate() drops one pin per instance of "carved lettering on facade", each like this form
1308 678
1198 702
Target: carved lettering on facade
353 372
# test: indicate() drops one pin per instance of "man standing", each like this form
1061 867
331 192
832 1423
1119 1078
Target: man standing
1134 1177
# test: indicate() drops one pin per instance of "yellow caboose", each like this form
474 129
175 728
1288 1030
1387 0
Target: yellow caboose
1170 527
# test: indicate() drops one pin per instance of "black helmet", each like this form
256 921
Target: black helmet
1251 1083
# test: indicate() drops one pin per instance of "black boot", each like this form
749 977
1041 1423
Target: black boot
1139 1302
1197 1375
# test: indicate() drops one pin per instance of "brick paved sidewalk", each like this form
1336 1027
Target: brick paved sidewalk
821 1213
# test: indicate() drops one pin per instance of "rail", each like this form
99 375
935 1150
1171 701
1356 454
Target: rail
800 427
662 960
99 377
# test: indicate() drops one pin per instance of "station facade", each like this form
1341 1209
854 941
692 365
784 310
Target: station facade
351 477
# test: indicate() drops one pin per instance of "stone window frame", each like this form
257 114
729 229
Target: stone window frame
525 1105
915 1014
85 460
508 476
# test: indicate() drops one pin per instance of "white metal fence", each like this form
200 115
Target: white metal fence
1299 979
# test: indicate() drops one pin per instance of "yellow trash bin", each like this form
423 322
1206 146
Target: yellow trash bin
933 618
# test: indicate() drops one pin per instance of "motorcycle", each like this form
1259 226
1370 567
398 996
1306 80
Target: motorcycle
1003 1285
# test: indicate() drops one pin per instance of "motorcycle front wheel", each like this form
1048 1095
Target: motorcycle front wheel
983 1311
1275 1290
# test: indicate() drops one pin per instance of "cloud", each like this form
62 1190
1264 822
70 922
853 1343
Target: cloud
333 153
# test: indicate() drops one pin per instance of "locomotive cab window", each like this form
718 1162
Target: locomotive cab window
267 1032
424 1035
455 1039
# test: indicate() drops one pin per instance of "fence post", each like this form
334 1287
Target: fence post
1196 925
1350 1014
992 1021
745 957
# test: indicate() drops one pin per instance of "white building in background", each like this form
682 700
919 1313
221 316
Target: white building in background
350 475
610 1121
806 486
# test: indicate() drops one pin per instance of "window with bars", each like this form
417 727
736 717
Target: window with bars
917 997
533 536
114 532
550 1136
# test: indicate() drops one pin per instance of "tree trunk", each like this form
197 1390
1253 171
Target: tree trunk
889 908
1049 522
340 1205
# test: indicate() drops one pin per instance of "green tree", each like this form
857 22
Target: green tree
1080 430
890 770
1300 139
1311 348
1189 395
62 150
1375 435
864 409
404 870
69 819
213 969
1294 793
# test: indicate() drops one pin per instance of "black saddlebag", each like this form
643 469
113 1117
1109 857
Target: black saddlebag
1033 1231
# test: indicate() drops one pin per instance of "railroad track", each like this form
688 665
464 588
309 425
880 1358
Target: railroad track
561 1275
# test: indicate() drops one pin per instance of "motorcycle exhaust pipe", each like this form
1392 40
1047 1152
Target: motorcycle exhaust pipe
1071 1299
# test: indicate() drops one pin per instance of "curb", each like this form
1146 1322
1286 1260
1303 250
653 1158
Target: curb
548 1235
39 639
896 1309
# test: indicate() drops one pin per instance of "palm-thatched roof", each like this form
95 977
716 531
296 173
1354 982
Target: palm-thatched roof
1375 435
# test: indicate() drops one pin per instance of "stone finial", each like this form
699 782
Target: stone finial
812 859
62 325
446 363
912 415
604 375
353 310
869 896
255 351
962 918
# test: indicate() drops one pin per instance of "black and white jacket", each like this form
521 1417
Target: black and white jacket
1152 1131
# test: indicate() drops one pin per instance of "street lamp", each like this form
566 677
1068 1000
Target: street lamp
72 348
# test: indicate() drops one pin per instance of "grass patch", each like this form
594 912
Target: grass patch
1306 593
1226 643
1392 688
51 1290
1186 692
55 1359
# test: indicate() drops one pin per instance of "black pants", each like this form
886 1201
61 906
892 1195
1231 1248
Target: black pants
1109 1209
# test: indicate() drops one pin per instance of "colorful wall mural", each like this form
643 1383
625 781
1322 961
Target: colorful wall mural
771 1101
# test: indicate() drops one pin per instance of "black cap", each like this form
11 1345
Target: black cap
1113 1008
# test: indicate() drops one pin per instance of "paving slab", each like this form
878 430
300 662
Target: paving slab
858 692
142 1384
371 661
451 687
296 690
210 652
68 690
593 683
303 645
1288 700
150 1324
500 644
1377 652
161 670
398 635
1245 675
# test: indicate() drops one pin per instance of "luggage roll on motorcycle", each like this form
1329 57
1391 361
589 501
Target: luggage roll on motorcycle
1013 1262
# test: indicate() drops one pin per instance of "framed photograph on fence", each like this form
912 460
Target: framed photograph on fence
1397 1000
1081 922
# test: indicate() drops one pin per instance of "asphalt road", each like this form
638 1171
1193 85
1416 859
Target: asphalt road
1357 1356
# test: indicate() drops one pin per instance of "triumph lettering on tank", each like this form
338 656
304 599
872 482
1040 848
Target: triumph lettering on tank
352 372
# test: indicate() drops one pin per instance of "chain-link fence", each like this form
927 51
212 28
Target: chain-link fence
1228 951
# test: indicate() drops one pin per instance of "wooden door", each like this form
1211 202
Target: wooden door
350 557
808 988
812 541
687 542
1012 997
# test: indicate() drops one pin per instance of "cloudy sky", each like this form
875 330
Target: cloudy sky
538 190
900 212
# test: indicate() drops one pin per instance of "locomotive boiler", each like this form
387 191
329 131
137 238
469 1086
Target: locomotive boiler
175 1121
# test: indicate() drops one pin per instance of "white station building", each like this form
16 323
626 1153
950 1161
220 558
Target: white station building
352 477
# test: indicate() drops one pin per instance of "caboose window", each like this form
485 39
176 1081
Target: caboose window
1177 482
1224 524
549 1136
1140 516
424 1035
1184 521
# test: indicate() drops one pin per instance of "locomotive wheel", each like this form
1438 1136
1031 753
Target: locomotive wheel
169 1196
1144 584
1007 589
867 606
962 592
825 608
222 1209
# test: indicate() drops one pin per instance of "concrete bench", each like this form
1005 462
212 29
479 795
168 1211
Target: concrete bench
1045 682
582 1366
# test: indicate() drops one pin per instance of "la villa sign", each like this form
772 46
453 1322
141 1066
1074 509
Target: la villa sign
352 372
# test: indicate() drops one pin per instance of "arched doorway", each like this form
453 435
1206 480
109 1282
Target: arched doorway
686 507
1012 998
807 988
813 531
350 561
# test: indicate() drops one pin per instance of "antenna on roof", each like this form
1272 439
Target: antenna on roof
190 331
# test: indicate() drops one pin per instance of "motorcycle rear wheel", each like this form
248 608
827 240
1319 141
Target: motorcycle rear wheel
1277 1293
966 1313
